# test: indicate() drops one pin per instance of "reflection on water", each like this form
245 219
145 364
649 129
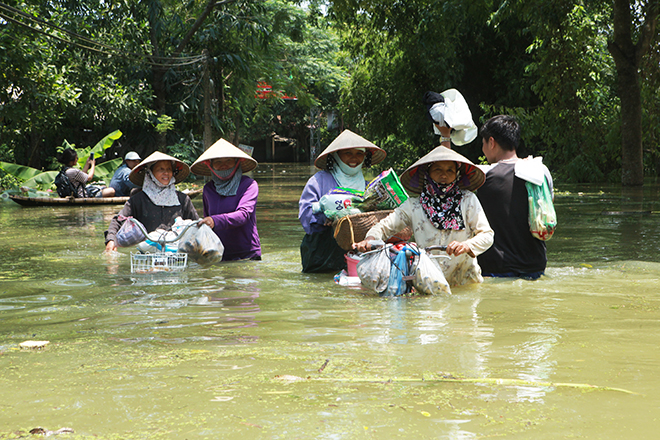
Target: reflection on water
202 353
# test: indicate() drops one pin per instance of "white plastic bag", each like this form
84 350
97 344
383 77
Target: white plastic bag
374 269
202 245
429 278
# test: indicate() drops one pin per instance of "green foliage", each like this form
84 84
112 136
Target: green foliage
165 124
186 150
400 50
7 181
546 62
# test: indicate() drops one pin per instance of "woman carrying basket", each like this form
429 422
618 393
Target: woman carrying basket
230 199
341 165
445 212
158 203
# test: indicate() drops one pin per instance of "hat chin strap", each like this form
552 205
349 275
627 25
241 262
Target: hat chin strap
208 164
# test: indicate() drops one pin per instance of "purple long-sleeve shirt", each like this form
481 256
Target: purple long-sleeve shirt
317 186
235 219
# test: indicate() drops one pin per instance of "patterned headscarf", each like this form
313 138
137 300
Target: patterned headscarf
160 195
442 203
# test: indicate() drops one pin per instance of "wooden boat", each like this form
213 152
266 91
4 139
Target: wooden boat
67 201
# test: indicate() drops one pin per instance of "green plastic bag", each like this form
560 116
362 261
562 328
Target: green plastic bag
542 215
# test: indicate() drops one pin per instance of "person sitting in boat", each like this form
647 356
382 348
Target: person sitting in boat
158 203
79 178
341 165
445 212
230 199
120 181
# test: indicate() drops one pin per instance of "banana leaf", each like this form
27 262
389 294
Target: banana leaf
98 149
105 170
20 171
43 181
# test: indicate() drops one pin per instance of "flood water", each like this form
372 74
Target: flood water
259 350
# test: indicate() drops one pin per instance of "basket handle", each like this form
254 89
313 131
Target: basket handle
350 227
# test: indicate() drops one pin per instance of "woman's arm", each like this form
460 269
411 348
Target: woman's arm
111 233
477 222
313 191
189 211
89 168
387 227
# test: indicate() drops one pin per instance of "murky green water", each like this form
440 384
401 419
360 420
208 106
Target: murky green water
259 350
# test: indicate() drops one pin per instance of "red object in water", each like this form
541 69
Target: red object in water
351 264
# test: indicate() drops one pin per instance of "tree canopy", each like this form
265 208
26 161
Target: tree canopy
581 76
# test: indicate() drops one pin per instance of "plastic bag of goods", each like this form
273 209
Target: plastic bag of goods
383 192
338 203
542 215
202 245
155 242
130 232
429 278
374 269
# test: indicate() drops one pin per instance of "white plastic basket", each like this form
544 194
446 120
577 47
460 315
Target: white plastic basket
158 262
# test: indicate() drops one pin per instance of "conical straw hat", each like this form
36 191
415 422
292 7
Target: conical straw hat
181 170
347 140
471 176
220 150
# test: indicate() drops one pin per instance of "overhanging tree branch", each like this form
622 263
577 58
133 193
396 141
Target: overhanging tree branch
648 30
198 23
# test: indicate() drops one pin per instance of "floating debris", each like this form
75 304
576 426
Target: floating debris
47 433
33 345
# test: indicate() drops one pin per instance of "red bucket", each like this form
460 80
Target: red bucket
351 262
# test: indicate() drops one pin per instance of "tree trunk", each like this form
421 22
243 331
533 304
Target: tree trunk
206 84
159 71
632 161
160 94
627 58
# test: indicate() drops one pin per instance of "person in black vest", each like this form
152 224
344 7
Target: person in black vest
515 252
157 204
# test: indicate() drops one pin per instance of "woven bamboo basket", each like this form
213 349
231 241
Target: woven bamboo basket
353 228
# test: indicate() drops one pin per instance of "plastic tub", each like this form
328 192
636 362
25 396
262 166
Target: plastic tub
351 262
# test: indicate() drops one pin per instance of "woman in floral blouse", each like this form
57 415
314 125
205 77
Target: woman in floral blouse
446 212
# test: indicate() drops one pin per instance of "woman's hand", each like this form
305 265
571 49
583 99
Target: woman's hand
207 221
457 248
110 246
363 246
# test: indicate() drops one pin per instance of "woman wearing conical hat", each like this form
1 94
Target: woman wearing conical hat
158 203
230 199
341 165
445 212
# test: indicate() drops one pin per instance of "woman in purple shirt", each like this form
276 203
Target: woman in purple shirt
230 199
341 166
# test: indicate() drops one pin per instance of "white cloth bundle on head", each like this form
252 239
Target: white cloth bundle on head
456 114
